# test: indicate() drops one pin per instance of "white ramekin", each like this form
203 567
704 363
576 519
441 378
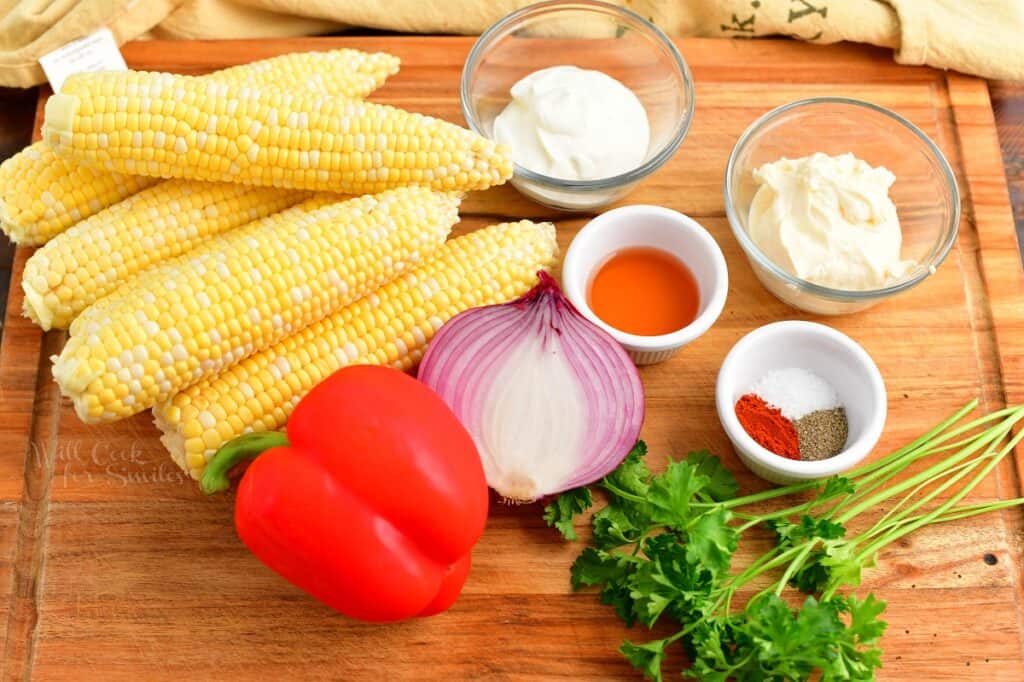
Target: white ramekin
830 354
653 226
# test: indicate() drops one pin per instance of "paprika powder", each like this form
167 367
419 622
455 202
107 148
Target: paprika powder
767 426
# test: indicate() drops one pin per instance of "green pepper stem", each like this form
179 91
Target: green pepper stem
246 447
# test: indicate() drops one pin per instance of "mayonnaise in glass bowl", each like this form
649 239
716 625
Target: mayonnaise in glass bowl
924 191
589 35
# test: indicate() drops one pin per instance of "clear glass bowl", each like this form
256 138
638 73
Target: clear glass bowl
925 192
590 35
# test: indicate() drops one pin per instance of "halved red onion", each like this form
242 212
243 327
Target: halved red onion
552 401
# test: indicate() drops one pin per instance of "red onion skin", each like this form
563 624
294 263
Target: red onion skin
473 342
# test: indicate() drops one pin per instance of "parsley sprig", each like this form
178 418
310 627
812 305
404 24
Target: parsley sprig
663 548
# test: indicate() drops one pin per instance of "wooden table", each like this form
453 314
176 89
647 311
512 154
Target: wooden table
112 566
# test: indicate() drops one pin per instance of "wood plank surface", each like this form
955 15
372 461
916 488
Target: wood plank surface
112 566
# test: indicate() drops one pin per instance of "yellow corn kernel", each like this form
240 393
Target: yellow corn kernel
42 194
352 158
95 256
241 292
392 327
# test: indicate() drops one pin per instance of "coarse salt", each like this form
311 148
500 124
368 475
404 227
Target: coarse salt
796 392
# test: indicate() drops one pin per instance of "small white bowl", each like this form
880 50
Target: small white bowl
658 227
830 354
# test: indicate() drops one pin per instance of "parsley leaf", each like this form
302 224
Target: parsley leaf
632 475
788 646
612 570
562 511
856 654
619 524
721 484
816 573
670 580
834 487
789 534
709 650
671 493
864 623
843 567
656 582
646 657
813 577
619 597
595 567
712 541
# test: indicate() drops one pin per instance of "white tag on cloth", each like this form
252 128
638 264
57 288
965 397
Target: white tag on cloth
95 52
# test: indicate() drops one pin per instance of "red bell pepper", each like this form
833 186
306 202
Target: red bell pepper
371 503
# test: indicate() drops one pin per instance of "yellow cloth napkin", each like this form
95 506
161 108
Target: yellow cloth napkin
31 28
981 37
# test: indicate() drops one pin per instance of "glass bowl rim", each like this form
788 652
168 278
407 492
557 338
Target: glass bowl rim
643 170
751 249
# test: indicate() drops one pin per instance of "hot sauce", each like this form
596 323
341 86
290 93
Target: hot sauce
644 291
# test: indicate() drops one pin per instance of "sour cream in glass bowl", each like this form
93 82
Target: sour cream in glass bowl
574 124
557 117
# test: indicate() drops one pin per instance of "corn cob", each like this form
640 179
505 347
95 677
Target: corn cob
42 194
344 72
97 255
160 124
389 327
241 292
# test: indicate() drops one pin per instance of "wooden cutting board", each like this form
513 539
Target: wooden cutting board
113 566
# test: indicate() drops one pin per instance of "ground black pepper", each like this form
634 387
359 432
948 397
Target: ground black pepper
822 434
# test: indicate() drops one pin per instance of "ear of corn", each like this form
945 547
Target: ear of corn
95 256
42 194
344 72
241 292
165 125
390 327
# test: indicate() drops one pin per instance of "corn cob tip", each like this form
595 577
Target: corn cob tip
548 235
497 157
34 307
59 114
172 440
388 62
8 226
503 156
70 375
547 239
